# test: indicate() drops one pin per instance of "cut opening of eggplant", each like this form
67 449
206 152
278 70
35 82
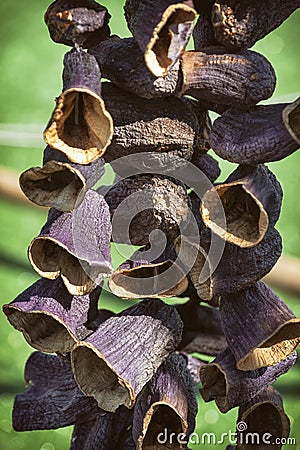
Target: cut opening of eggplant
167 44
80 126
97 379
41 330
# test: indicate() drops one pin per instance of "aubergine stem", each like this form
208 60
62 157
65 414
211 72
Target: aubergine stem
162 29
80 126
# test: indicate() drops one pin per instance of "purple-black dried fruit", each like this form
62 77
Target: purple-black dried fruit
230 387
122 62
239 24
264 415
230 275
75 245
166 126
59 183
142 276
73 22
49 316
261 134
259 327
143 203
215 75
162 29
168 401
250 201
116 353
53 399
80 126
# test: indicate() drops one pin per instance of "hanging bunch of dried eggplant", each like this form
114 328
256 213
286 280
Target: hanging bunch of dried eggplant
125 379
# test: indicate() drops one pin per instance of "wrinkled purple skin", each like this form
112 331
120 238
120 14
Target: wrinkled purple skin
249 21
50 297
230 274
83 23
53 399
156 326
235 387
254 306
255 136
172 384
101 432
208 165
122 62
240 80
193 365
84 233
81 70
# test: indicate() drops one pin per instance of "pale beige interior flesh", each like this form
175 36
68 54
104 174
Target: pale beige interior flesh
51 260
41 330
95 378
80 126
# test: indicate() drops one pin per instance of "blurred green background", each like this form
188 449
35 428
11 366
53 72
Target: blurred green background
30 79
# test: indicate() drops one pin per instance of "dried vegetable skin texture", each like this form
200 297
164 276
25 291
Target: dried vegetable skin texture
141 276
162 125
49 316
73 22
143 203
167 401
162 29
260 134
240 24
75 245
277 330
230 275
80 126
251 197
124 379
122 62
230 387
240 80
121 367
53 399
265 414
203 32
59 183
